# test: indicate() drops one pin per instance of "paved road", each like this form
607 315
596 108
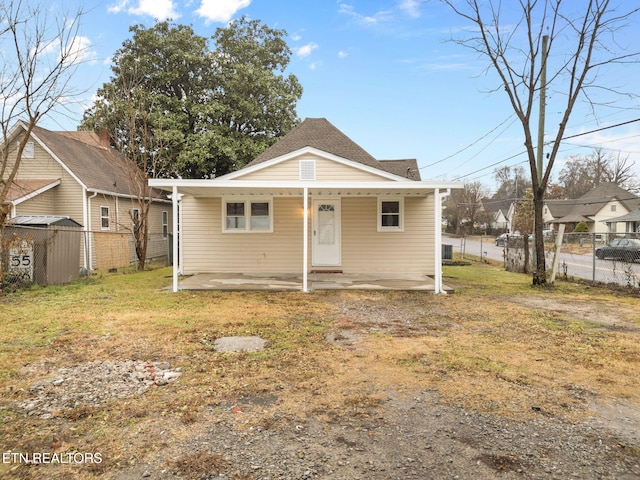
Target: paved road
580 266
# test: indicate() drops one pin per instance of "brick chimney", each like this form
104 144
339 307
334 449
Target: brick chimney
104 138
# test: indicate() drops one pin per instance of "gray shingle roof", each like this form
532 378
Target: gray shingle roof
97 167
592 202
320 134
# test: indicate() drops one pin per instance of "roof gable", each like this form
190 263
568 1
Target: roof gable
319 134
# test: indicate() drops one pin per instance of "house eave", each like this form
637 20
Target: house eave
223 186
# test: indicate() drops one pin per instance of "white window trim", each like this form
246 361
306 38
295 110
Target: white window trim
400 227
108 217
247 209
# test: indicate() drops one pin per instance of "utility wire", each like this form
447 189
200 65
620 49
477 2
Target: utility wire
459 177
471 144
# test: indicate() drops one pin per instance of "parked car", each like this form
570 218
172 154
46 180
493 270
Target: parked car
501 240
627 249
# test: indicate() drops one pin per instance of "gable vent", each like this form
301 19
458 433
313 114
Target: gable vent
307 169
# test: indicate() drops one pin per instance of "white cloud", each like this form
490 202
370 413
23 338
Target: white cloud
410 7
369 20
220 10
160 9
342 54
77 51
305 50
118 6
81 50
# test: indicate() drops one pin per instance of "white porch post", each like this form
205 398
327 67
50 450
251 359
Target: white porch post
175 230
438 240
305 238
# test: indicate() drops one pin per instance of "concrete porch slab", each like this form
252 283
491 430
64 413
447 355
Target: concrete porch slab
316 281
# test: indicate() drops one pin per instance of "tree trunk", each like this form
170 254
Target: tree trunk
540 273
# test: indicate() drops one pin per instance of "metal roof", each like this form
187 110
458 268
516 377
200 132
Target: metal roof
43 221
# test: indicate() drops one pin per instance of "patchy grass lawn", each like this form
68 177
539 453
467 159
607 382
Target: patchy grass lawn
497 345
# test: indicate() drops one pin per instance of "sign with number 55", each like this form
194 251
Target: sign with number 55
21 261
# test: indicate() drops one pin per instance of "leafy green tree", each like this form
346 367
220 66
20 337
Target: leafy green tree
208 111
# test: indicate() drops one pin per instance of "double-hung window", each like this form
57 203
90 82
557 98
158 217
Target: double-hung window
390 214
165 224
105 218
255 215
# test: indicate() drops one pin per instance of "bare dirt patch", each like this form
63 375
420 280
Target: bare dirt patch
608 316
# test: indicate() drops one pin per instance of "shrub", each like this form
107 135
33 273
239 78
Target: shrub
581 227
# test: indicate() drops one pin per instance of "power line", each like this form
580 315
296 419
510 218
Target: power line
459 177
471 144
600 129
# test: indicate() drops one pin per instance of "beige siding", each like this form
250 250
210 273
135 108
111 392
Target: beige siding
325 170
206 249
364 249
39 205
67 197
606 214
120 222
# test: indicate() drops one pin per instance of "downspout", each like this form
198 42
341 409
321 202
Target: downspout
88 250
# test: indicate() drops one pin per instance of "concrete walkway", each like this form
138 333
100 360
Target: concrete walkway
316 281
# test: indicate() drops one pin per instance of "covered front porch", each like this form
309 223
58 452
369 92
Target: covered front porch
298 232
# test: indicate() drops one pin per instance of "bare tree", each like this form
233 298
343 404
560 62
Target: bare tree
40 50
582 173
463 207
579 38
523 222
138 136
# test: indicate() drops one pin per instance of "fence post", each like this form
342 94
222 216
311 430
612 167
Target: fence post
593 257
556 254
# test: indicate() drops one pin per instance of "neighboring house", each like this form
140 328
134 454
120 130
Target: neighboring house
500 212
629 223
79 176
313 202
596 208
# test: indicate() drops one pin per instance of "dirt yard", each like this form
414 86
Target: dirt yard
374 385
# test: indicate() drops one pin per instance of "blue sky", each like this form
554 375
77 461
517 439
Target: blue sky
383 72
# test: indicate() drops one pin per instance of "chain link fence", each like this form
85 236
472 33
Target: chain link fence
60 255
602 258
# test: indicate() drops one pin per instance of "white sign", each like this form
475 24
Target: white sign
21 261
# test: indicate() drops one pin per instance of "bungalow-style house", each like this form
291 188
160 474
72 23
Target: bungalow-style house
313 202
596 208
79 176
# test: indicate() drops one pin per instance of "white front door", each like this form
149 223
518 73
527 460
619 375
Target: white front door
325 250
